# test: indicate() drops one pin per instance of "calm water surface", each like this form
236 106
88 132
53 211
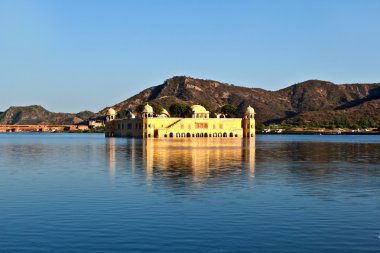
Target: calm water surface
83 192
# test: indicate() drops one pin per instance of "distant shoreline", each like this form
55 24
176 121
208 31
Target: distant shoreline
257 133
319 133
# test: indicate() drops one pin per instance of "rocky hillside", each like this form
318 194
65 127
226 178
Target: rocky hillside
319 101
35 114
312 100
213 94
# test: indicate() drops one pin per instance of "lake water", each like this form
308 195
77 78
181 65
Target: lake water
275 193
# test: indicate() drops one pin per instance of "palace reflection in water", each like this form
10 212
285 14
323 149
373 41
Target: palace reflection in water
196 161
199 159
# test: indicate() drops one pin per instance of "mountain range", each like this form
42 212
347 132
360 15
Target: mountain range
311 101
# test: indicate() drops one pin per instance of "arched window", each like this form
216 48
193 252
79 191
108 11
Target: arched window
177 135
171 135
188 135
224 134
231 135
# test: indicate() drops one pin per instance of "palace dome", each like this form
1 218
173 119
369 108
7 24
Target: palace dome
111 111
198 109
147 109
164 111
130 115
249 110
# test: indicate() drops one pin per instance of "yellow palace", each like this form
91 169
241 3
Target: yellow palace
149 125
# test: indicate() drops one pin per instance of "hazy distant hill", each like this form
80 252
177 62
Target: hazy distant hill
313 100
35 114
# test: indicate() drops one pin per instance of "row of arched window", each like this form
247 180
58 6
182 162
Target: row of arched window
189 135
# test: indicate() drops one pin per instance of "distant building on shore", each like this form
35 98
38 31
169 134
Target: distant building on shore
200 124
95 123
42 128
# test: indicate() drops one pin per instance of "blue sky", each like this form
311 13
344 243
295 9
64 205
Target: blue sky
75 54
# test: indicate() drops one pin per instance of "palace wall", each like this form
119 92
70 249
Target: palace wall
180 127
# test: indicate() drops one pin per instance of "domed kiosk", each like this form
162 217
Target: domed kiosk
249 112
249 122
164 113
111 114
198 111
147 111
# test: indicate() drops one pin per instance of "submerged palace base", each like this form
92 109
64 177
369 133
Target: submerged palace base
164 126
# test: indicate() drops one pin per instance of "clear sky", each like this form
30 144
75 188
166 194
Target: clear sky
72 55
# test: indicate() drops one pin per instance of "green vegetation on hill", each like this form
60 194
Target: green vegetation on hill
179 109
229 110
